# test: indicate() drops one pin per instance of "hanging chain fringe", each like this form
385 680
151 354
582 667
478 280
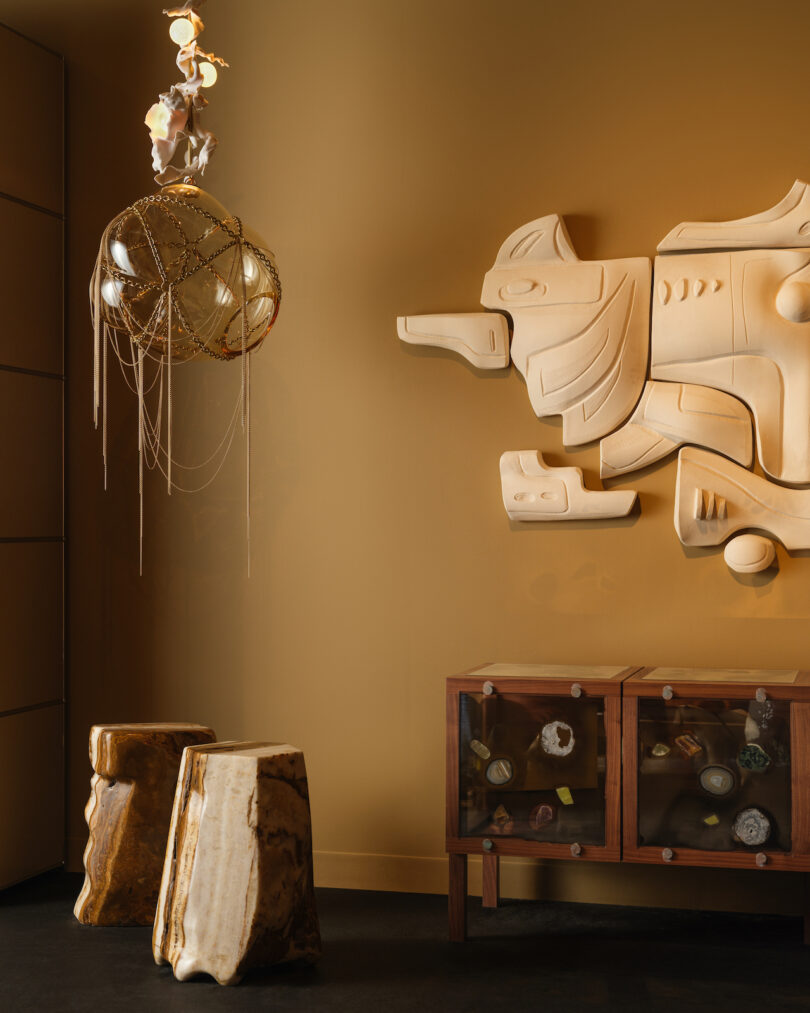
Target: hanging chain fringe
140 459
147 363
169 392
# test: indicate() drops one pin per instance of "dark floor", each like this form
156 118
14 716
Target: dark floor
388 952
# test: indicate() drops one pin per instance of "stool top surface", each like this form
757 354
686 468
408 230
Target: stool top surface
152 726
237 749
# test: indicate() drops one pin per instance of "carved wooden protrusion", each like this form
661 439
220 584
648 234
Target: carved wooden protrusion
667 692
709 506
482 338
532 491
128 814
576 690
237 889
750 502
667 854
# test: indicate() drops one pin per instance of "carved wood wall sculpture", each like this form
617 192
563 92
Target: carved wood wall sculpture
729 340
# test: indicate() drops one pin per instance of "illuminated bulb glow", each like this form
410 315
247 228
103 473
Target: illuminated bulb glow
182 31
249 269
111 289
224 295
121 257
209 74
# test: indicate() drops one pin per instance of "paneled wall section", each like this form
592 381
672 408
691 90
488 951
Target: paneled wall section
32 684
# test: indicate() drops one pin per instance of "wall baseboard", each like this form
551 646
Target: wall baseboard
591 883
765 892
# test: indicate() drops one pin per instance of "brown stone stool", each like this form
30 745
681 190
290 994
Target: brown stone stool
128 815
237 883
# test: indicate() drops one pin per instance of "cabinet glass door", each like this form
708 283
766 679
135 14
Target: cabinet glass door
714 774
532 767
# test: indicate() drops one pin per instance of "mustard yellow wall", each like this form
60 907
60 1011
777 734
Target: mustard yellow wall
386 149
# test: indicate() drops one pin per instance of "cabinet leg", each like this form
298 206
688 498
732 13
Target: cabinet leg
457 898
490 894
807 909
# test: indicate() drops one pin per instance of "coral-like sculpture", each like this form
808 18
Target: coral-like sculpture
175 117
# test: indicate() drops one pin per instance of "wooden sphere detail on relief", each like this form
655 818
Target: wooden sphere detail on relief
793 301
749 553
180 256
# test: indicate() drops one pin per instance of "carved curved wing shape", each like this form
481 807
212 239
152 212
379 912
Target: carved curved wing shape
786 224
671 414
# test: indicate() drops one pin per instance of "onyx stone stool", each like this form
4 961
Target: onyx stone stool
237 889
128 814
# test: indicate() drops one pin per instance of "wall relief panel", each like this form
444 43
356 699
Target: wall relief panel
728 350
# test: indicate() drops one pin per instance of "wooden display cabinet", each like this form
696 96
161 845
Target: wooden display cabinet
533 769
716 767
708 767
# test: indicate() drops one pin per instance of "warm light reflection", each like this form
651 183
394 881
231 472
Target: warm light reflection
182 31
158 119
120 255
209 74
111 289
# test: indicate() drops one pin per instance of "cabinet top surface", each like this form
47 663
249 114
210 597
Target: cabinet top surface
521 671
721 675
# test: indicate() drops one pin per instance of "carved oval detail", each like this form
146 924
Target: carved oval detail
520 286
749 553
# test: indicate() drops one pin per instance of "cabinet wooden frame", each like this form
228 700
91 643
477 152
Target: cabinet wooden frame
621 693
797 694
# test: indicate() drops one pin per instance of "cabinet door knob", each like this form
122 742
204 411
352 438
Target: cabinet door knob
761 859
667 692
487 844
667 854
761 696
489 688
576 690
576 850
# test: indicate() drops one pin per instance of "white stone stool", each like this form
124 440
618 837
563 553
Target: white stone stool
237 887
